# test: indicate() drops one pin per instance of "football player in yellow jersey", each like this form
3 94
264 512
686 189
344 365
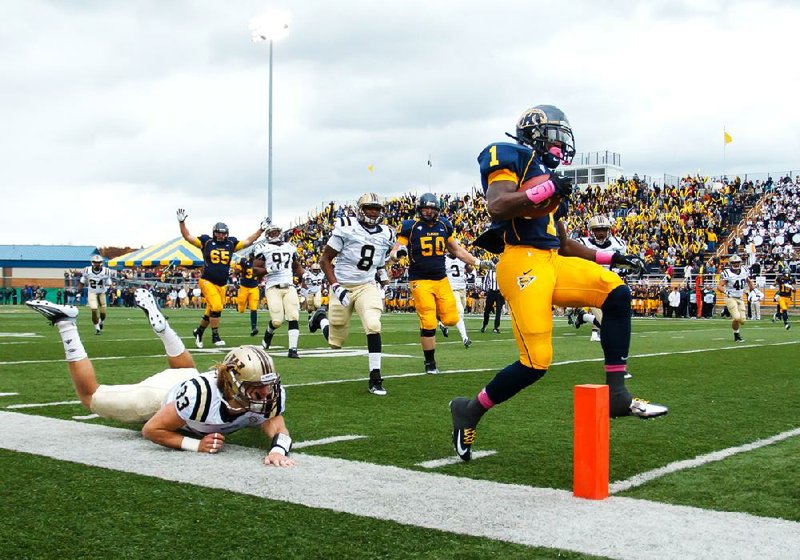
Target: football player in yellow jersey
218 249
248 294
540 267
425 240
784 295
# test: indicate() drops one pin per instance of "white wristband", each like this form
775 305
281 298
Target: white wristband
190 444
281 443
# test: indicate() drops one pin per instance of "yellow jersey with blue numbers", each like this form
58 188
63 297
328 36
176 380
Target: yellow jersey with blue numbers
217 258
505 161
427 246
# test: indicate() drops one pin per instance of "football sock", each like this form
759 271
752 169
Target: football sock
429 355
294 334
615 332
325 329
462 329
511 380
73 347
374 351
173 345
619 399
214 333
253 319
200 330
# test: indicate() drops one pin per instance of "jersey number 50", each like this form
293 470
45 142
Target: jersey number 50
432 245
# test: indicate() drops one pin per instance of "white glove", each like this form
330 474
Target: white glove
265 223
182 215
341 294
382 292
486 265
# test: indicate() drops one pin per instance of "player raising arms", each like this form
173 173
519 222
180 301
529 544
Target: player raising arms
277 258
98 278
360 248
540 267
425 240
181 407
217 251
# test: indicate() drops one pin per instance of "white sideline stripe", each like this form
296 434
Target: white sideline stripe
36 405
530 516
436 463
325 441
86 417
8 394
698 461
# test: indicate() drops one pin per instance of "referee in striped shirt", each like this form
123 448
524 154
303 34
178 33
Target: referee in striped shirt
493 299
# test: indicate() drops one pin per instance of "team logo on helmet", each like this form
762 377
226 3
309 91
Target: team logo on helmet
546 130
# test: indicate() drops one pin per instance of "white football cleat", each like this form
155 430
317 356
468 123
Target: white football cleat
595 337
53 312
646 409
144 300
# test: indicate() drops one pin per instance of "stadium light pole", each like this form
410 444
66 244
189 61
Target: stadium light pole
270 26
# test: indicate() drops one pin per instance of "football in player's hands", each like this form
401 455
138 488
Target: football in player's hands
545 207
182 215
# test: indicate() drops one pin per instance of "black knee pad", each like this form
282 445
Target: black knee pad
427 332
204 318
618 301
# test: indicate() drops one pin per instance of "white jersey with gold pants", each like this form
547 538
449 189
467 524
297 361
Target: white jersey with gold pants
457 276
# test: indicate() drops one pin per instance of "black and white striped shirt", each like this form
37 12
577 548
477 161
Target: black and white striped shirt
490 281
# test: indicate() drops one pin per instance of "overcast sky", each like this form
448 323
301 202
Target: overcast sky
115 113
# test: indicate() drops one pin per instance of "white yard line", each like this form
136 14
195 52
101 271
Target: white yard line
37 405
698 461
453 460
325 441
8 394
615 528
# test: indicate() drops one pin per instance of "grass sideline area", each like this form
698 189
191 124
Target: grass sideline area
720 395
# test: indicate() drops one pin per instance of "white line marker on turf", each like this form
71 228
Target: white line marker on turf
36 405
436 463
86 417
8 394
325 441
698 461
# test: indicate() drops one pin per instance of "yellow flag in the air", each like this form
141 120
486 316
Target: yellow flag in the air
728 138
371 168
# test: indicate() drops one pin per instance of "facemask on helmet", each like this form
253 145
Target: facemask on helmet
273 234
97 263
250 382
370 202
425 202
599 229
220 232
316 268
546 130
735 262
